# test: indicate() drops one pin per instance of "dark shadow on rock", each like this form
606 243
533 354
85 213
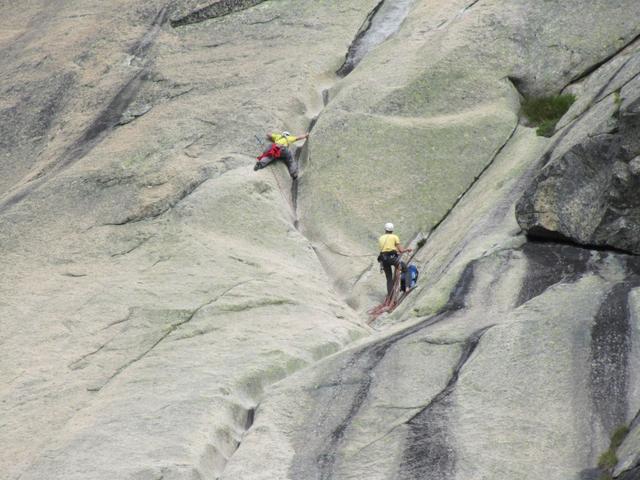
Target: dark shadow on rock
590 474
428 452
549 264
610 351
340 406
633 474
214 10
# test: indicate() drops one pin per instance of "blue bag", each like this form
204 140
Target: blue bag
409 278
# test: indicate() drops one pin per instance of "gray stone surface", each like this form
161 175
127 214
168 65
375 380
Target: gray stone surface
152 283
154 287
515 380
587 191
404 135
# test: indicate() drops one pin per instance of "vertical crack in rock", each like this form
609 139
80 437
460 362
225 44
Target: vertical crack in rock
474 181
102 125
610 349
549 264
427 454
612 78
362 365
251 416
382 22
471 5
214 10
364 362
141 48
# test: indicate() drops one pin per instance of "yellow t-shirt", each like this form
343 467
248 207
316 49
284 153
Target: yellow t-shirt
282 140
388 242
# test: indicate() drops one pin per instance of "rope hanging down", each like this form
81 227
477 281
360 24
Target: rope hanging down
395 298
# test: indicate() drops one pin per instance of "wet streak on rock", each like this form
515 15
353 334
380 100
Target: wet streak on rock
382 22
428 454
610 349
98 129
107 119
214 10
112 114
141 47
362 365
89 139
349 61
549 264
463 287
21 124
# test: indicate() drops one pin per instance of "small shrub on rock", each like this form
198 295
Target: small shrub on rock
545 112
609 459
618 436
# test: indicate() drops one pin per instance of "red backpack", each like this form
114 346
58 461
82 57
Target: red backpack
274 151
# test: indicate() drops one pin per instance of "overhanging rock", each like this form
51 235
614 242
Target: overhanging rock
588 190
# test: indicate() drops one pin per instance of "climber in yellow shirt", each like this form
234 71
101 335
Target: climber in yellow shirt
390 247
279 149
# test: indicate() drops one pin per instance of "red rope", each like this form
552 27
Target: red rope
392 300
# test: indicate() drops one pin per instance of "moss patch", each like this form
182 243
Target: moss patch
608 460
545 112
618 437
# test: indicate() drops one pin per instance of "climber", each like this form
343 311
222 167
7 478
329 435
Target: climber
389 249
279 149
408 277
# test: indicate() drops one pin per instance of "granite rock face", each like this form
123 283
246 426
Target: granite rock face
587 191
405 135
154 287
523 371
152 284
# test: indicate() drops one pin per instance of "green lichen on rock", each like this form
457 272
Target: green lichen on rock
608 460
618 436
545 112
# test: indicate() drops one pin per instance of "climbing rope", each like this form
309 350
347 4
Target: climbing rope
395 298
391 300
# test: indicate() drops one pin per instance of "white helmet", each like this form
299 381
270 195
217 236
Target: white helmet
286 134
388 227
